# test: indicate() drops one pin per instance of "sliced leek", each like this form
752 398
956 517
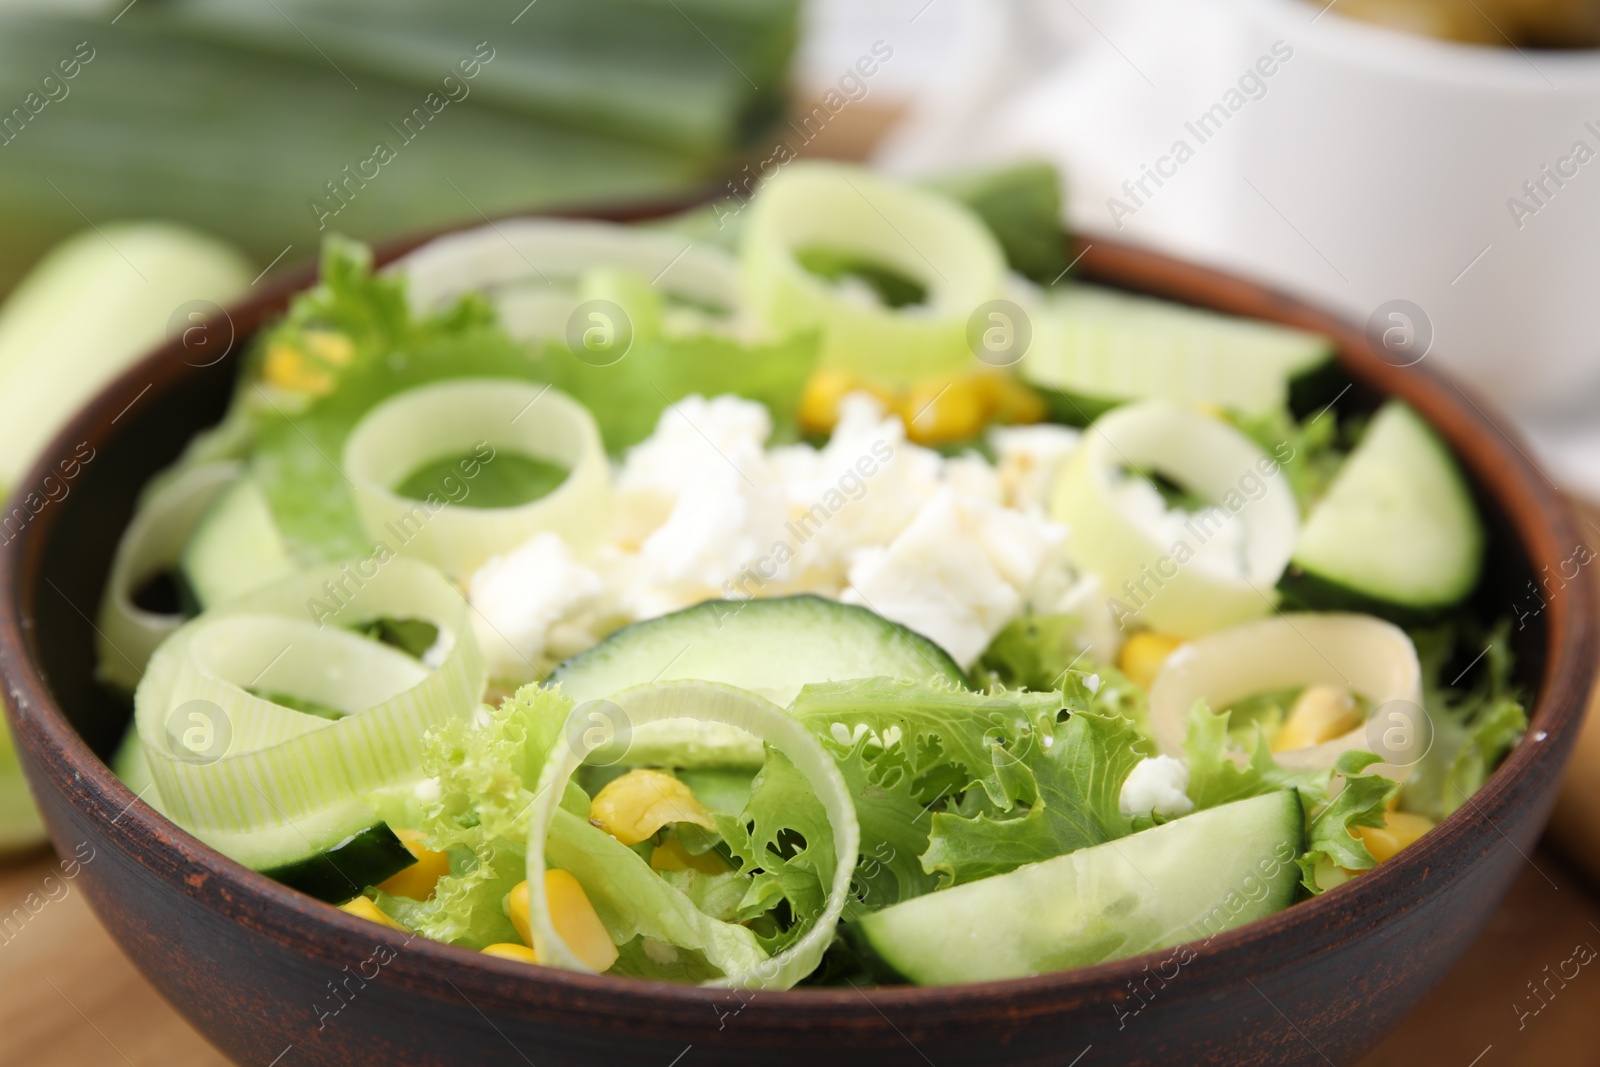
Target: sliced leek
1161 575
708 702
152 544
91 307
1104 345
925 237
458 417
1356 653
261 782
531 269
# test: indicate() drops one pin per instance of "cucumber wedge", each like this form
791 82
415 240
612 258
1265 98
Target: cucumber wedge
1095 348
236 547
349 867
1397 531
771 647
1183 881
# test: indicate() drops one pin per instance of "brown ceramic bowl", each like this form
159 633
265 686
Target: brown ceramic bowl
275 978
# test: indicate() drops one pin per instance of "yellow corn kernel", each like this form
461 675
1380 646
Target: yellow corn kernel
672 856
1399 829
1322 713
418 880
576 922
940 411
507 951
330 347
364 908
517 909
1009 400
288 368
638 804
819 400
1143 654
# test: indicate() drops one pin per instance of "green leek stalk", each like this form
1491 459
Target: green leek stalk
89 309
696 75
275 151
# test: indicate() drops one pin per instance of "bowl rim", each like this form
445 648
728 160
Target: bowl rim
1536 513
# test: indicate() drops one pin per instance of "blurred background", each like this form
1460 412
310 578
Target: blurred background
1426 167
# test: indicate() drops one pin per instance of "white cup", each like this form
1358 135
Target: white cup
1383 174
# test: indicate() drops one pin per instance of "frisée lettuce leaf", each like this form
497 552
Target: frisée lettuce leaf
1069 800
972 784
1473 728
1331 846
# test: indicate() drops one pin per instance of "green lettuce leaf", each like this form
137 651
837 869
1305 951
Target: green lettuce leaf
951 740
908 750
475 807
628 397
1076 774
1037 652
1224 768
1363 801
784 845
1473 729
892 808
298 440
972 784
295 441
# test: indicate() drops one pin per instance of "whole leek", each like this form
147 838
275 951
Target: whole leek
90 308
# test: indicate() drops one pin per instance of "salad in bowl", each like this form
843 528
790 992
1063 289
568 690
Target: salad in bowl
816 588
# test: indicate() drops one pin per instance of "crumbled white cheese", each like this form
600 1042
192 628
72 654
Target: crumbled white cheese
521 596
956 574
1157 786
1030 457
856 493
698 502
953 548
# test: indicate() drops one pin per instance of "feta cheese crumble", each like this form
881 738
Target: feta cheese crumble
531 604
953 547
1157 786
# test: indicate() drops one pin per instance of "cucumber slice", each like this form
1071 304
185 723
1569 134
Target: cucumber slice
771 647
1182 881
1095 348
349 867
236 547
1397 531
